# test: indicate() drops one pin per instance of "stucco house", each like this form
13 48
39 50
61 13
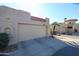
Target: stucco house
21 26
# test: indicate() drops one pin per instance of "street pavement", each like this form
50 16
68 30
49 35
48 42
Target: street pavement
68 39
73 45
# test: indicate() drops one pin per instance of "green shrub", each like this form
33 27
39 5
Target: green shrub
4 39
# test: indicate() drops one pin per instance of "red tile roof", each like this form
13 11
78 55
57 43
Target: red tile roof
38 19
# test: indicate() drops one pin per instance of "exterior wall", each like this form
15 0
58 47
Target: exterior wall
47 27
76 27
62 28
70 23
67 23
10 18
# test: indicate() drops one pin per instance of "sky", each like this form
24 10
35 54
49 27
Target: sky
56 12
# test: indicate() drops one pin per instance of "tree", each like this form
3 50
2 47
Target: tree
54 26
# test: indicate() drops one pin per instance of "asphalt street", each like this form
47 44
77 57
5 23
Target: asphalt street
73 46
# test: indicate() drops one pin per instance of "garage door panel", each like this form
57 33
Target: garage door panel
27 32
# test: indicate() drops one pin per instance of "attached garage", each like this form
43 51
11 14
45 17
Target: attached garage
22 26
31 31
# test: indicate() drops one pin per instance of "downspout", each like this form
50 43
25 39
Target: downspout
53 29
47 27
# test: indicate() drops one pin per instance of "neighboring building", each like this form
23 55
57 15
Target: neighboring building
76 28
21 26
69 23
61 28
68 26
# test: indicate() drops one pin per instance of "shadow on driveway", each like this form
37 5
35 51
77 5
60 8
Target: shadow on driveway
46 46
68 51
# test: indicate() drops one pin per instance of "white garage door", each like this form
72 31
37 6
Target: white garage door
27 32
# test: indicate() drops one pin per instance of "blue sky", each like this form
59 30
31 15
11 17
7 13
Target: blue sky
55 11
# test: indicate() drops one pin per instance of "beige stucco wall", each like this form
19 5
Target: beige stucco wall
11 18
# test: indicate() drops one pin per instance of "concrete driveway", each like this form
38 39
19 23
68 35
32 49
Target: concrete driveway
63 45
46 46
